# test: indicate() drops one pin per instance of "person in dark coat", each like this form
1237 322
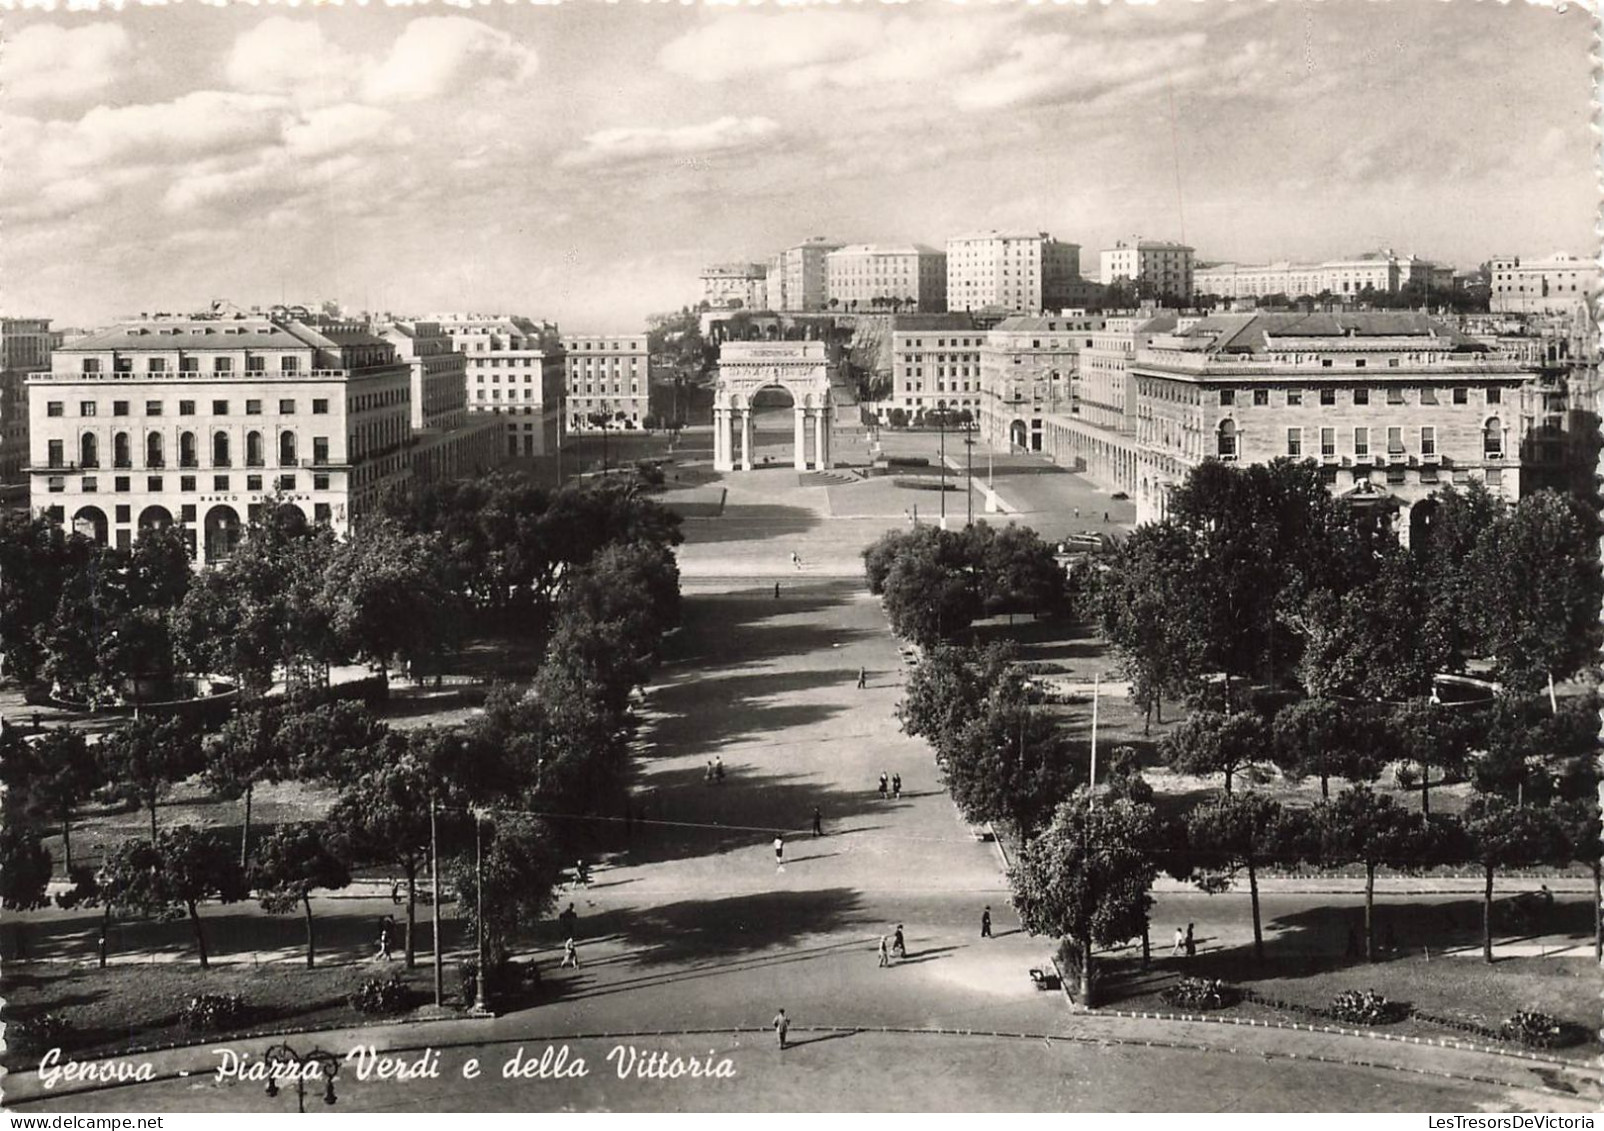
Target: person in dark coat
985 922
818 822
898 945
1191 942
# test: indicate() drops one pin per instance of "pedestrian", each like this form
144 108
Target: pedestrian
985 922
395 892
568 920
779 850
782 1026
883 781
863 678
709 778
818 822
581 874
796 559
896 786
718 770
776 590
570 955
885 951
1178 944
1191 942
1105 516
898 945
385 927
1077 512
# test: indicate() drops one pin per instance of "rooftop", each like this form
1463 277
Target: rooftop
1255 333
236 332
885 249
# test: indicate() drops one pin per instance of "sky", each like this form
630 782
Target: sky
582 161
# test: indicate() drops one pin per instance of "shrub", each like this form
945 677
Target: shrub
506 978
212 1013
1366 1007
907 461
380 995
1201 993
37 1035
1537 1030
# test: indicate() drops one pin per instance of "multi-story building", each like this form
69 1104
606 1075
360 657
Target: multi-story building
201 421
735 286
804 283
1382 272
1554 284
1029 367
1022 272
1156 267
935 364
515 372
863 277
607 375
447 444
25 345
1391 406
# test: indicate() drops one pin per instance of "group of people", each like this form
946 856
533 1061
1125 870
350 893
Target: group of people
892 944
715 771
1185 942
895 782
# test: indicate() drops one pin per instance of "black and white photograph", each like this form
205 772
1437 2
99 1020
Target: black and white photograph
913 557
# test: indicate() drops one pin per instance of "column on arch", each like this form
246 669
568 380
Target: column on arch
821 438
721 439
801 460
746 437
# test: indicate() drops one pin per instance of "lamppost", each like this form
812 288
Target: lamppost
969 472
282 1059
480 1007
941 423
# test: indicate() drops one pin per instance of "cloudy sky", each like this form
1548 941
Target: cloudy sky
581 161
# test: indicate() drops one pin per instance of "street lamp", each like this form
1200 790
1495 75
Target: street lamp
480 1006
941 423
281 1058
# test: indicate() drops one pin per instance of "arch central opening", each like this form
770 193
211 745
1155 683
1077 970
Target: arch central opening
774 440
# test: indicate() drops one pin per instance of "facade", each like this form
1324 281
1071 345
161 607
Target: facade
200 421
25 345
514 372
1551 285
1384 272
803 369
1158 266
1390 405
609 374
863 277
1021 272
1029 369
804 281
447 444
935 364
742 286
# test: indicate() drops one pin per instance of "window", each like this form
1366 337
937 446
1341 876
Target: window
86 408
253 449
1361 396
153 482
1227 440
255 363
286 449
186 408
286 482
320 407
58 454
1361 443
1294 398
1294 442
189 365
1428 440
253 482
54 408
58 483
222 365
320 450
1395 476
1325 363
153 408
121 483
1428 395
253 408
1461 396
220 449
1395 445
91 365
153 450
219 482
1493 439
1358 363
1261 397
1495 476
121 455
1328 441
219 408
186 450
322 512
119 408
156 365
187 483
320 481
286 408
1328 396
89 451
1495 395
90 484
289 365
1227 397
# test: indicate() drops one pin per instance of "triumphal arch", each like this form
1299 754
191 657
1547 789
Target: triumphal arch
802 369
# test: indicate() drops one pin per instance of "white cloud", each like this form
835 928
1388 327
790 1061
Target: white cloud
344 128
641 143
202 122
291 58
49 63
731 45
438 55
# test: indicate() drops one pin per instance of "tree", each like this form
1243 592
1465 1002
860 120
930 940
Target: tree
1579 821
244 752
1433 737
1244 831
25 868
1364 827
294 860
1500 834
1208 742
1160 653
1086 879
1018 573
1447 550
1010 763
54 774
1531 749
1378 641
146 757
522 869
386 595
1325 738
950 686
331 742
37 559
928 600
183 868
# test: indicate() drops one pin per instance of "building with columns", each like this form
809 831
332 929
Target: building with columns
1391 406
200 421
802 369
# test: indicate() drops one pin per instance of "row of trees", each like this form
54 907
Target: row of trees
936 583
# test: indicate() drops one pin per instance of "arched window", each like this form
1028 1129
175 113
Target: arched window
186 450
153 450
220 449
286 449
120 455
253 449
1227 439
1492 439
89 450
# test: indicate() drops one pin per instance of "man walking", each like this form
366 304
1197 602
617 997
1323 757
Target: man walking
818 822
1191 942
898 945
985 922
883 781
568 920
782 1026
718 769
896 786
776 590
885 951
779 850
385 927
570 955
863 678
1179 943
